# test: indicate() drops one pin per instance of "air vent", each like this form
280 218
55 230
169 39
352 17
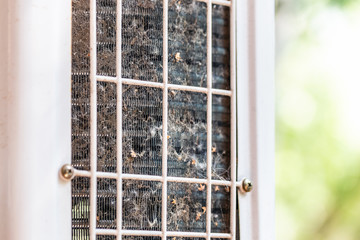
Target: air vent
152 120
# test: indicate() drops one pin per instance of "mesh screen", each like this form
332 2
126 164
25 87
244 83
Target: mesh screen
80 120
220 209
100 237
187 43
80 208
184 238
186 207
80 36
142 130
142 116
80 117
142 40
106 127
187 134
106 204
221 47
106 37
140 238
221 135
141 205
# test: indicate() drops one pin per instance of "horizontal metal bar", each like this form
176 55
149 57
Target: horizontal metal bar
218 2
187 88
82 173
220 182
107 175
198 234
161 85
186 234
107 232
141 83
114 232
220 235
222 2
221 92
142 177
106 79
141 233
186 180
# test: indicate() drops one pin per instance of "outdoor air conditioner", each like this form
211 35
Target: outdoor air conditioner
136 119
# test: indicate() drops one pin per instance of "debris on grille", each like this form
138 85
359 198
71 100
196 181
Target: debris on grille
103 237
220 209
142 40
186 207
80 36
80 207
142 130
80 121
140 238
106 37
80 97
141 205
184 238
187 43
106 127
80 84
142 115
106 203
221 47
187 134
80 233
221 135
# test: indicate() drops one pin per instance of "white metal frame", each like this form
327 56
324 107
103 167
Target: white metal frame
255 43
35 120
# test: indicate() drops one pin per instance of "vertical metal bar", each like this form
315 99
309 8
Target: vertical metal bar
119 119
233 122
165 120
93 120
209 118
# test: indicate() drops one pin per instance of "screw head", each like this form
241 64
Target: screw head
247 185
67 172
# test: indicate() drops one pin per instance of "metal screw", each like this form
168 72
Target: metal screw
247 185
67 172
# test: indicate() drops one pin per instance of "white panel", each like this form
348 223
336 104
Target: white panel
3 117
35 91
256 127
243 45
265 116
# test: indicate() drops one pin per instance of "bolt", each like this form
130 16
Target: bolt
67 172
247 185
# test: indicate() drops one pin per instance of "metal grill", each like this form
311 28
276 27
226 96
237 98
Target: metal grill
153 120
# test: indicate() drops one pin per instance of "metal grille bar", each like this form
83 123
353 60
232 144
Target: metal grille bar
233 124
119 118
108 175
165 122
93 121
110 232
209 118
218 2
161 85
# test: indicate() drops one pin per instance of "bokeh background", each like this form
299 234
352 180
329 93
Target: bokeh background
318 119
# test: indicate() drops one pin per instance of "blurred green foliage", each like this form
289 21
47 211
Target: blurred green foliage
318 152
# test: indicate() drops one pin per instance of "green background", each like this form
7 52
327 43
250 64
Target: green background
318 120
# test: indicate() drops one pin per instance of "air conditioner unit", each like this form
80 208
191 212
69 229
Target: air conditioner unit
136 119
